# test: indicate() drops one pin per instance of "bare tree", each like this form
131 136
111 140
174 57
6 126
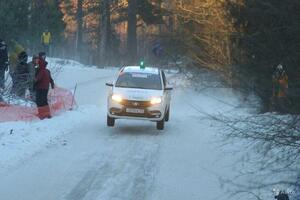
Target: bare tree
271 151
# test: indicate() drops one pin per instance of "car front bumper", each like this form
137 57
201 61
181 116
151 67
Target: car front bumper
150 112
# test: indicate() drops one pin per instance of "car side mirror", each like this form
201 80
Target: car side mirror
109 84
168 88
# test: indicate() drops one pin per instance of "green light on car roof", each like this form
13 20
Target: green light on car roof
142 65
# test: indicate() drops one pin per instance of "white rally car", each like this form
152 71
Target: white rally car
139 93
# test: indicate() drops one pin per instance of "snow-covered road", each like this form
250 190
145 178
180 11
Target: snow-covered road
74 156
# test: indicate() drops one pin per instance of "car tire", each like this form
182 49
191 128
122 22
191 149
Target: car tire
167 117
110 121
160 124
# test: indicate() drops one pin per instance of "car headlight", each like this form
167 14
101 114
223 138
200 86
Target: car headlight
156 100
116 98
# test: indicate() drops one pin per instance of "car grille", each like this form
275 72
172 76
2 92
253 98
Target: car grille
136 104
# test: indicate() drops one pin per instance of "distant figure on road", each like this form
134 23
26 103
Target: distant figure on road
157 49
3 62
46 41
279 90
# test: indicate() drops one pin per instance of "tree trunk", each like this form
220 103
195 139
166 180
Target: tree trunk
105 42
132 31
79 42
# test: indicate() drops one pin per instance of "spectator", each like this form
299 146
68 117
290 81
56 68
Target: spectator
21 75
3 62
280 87
13 62
46 40
43 80
33 69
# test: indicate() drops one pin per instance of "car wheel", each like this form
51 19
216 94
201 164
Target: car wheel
167 117
160 124
110 121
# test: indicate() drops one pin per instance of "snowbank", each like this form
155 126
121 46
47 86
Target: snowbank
20 140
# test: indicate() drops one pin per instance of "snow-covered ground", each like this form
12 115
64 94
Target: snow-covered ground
74 156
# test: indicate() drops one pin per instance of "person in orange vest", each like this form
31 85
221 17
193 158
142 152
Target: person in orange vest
280 88
46 40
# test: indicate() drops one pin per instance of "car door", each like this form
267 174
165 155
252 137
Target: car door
167 93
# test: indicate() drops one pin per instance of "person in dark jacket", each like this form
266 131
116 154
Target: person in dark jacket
21 75
3 62
16 49
43 80
33 68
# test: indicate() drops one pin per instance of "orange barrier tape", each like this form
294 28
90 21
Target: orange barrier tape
59 99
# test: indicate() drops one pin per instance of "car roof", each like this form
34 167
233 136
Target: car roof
138 69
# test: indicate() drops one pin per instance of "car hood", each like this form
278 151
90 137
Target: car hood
137 94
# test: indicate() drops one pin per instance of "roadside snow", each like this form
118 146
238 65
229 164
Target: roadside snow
21 140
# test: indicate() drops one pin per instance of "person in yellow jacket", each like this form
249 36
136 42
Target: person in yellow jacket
13 56
14 61
46 40
280 89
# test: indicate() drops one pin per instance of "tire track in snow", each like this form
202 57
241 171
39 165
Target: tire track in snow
127 174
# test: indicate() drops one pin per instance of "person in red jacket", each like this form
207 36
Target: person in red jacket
43 80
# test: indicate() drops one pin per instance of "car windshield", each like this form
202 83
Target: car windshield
139 80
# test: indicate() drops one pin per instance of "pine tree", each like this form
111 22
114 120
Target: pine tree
106 33
79 34
132 31
45 15
13 19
